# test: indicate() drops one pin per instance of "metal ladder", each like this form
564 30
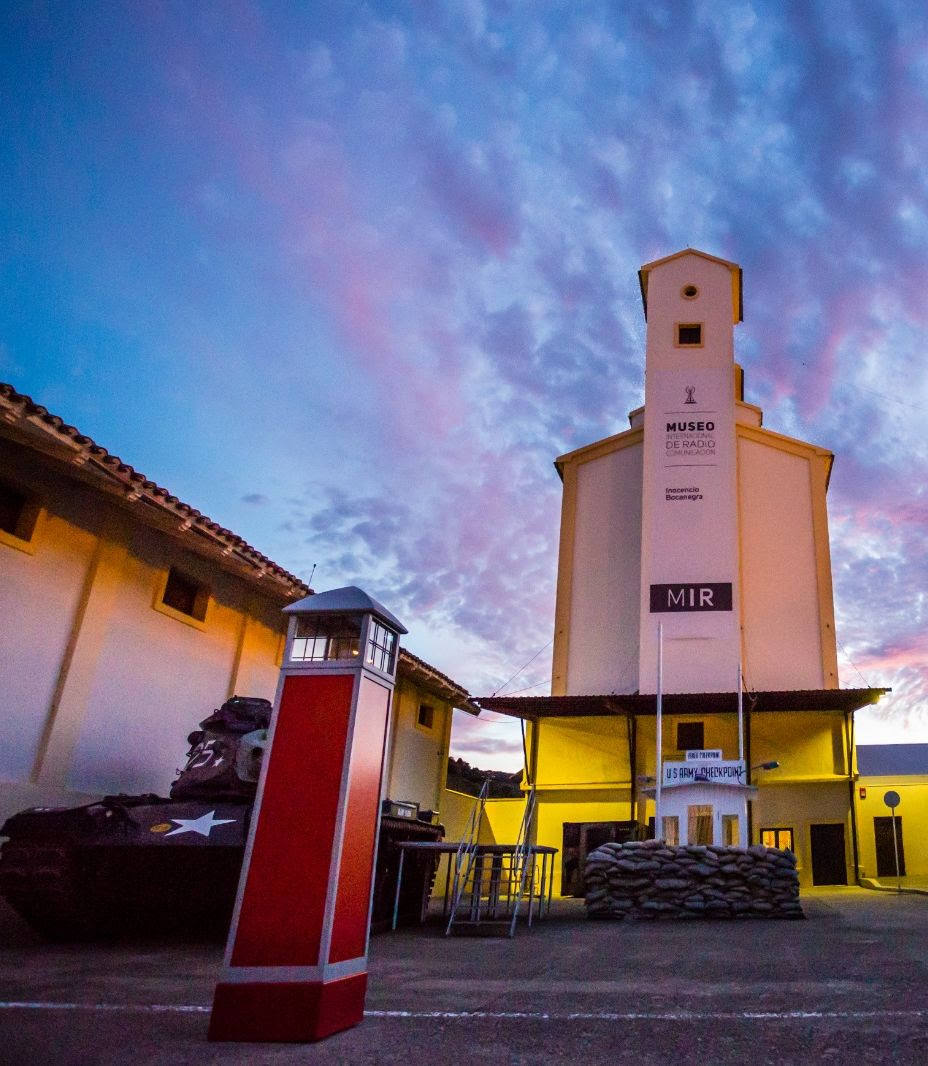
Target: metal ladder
463 858
490 886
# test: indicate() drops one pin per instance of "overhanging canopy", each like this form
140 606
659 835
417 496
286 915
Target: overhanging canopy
819 699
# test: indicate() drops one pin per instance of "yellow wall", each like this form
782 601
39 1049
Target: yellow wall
912 811
806 744
419 756
502 821
100 687
799 806
578 757
582 751
554 809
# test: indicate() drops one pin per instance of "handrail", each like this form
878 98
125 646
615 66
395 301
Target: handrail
524 858
466 851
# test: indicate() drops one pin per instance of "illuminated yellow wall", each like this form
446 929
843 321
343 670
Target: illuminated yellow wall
913 813
797 807
554 809
578 756
455 811
502 821
806 744
586 752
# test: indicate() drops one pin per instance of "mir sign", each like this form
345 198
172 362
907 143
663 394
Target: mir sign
707 596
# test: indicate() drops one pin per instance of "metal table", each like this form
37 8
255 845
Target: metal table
496 852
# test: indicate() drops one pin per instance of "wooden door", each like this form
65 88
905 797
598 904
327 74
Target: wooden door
829 866
885 852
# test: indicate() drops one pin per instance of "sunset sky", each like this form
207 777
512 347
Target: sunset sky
348 276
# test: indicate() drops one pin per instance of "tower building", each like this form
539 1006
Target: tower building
694 564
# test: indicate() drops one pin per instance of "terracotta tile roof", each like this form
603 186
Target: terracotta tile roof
108 471
422 671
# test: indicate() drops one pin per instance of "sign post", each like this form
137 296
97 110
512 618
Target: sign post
659 726
892 799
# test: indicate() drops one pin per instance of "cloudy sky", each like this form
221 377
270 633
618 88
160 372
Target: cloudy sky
348 276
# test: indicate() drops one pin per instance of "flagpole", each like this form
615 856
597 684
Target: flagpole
740 715
658 833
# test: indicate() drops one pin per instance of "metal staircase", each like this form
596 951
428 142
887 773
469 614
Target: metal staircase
492 881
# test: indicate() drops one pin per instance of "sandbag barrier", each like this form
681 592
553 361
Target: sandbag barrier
650 879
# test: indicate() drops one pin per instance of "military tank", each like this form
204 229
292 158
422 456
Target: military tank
152 865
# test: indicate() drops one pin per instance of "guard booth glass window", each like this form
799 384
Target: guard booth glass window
699 823
777 838
381 648
320 639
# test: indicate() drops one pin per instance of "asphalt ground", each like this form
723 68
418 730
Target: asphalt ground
849 984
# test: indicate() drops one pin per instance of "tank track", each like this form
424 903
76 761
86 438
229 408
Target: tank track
44 883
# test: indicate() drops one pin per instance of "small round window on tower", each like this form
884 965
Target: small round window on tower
689 292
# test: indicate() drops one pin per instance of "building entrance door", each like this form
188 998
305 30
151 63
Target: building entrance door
885 852
828 862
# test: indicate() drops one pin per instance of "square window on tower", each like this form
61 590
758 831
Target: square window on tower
689 334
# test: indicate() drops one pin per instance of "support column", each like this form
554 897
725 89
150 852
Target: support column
101 590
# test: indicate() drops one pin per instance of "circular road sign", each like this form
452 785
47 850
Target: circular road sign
891 799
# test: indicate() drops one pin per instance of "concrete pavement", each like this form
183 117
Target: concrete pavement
848 984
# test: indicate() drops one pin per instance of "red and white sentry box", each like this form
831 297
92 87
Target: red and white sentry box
296 960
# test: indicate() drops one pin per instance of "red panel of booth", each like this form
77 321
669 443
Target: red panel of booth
353 897
283 908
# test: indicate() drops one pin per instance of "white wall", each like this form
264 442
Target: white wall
100 689
689 536
782 638
417 770
39 594
156 676
606 575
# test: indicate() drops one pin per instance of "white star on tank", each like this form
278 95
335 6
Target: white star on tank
202 825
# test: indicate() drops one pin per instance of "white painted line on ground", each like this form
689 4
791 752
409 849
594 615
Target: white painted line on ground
656 1016
502 1015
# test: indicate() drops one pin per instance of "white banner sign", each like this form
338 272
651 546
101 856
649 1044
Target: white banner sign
725 772
704 755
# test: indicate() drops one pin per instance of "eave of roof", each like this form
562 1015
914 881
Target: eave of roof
425 674
29 423
536 707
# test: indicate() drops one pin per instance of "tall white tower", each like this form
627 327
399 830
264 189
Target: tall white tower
689 519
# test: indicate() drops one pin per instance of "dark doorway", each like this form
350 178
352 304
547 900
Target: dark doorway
580 838
885 853
828 862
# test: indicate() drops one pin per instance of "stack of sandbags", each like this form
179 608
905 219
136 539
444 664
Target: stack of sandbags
651 879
